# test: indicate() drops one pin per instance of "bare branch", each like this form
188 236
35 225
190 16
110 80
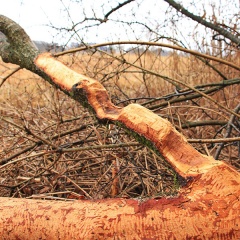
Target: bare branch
9 75
228 131
219 140
202 21
174 81
116 8
150 44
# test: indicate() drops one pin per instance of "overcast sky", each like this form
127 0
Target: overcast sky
35 15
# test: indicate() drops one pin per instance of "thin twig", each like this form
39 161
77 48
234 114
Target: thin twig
219 140
203 22
150 44
217 86
228 132
116 8
171 80
9 75
64 150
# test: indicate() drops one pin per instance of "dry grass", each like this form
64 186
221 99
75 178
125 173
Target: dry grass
40 121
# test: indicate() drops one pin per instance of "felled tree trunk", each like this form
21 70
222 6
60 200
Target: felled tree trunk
207 207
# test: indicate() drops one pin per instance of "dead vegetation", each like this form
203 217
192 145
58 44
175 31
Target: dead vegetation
52 148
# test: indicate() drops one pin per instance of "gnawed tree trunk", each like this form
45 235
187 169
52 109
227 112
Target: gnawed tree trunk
207 207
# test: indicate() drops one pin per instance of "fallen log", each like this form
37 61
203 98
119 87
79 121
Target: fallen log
207 207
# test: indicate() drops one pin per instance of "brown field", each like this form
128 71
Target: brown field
37 119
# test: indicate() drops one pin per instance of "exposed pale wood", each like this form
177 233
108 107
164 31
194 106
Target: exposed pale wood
208 207
172 145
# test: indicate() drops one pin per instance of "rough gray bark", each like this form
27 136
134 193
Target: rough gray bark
18 48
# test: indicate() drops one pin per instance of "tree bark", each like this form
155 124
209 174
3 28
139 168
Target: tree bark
207 207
